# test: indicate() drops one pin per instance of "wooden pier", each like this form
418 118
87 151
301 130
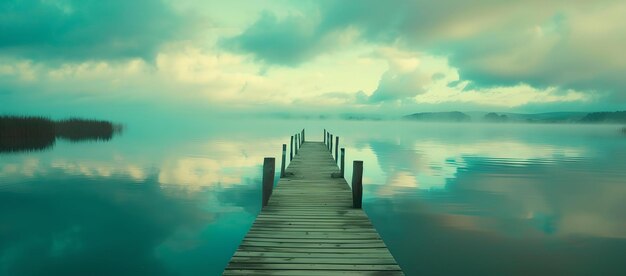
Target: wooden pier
310 225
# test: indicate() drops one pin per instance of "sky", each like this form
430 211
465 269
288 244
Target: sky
118 57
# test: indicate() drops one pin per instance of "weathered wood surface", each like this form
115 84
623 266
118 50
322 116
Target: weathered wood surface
309 226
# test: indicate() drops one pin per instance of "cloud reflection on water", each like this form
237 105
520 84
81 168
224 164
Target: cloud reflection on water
501 206
108 211
489 200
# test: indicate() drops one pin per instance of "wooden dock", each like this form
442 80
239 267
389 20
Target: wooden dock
310 227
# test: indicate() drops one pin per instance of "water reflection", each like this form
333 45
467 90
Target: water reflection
438 243
499 206
447 199
229 160
142 204
79 226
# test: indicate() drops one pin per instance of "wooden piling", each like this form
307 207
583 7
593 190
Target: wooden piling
303 139
328 140
296 143
291 149
331 145
284 160
324 136
357 184
269 164
342 164
337 149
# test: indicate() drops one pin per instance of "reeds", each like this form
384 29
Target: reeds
79 129
25 133
21 133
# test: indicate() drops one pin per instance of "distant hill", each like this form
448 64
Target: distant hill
495 117
605 117
454 116
548 117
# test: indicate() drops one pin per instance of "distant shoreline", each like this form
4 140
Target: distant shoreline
617 117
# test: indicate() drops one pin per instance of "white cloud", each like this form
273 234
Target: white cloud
502 55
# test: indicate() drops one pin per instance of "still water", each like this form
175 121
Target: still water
176 199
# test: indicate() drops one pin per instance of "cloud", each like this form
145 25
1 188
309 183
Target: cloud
572 50
287 41
398 86
78 30
564 44
330 54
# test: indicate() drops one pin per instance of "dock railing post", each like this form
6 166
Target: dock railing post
357 184
336 148
327 140
269 164
331 144
303 139
324 136
291 150
296 144
282 164
342 164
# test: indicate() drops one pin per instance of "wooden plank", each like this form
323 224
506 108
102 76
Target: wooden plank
311 255
310 228
327 244
296 219
280 266
305 260
312 235
310 240
309 272
313 229
352 222
263 248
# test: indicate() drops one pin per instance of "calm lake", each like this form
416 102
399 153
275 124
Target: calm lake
459 199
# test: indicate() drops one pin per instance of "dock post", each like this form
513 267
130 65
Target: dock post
303 136
336 148
296 143
357 184
291 150
268 178
327 140
282 164
324 136
331 144
342 164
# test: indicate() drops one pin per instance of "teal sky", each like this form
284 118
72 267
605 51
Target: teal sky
121 58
